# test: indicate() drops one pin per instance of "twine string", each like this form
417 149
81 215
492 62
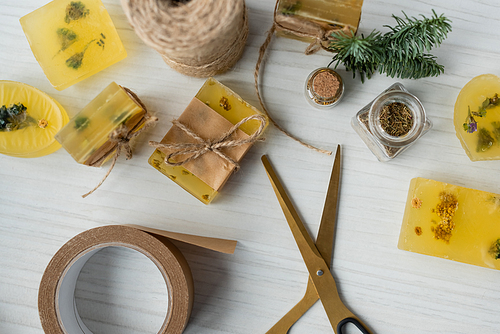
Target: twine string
320 36
122 136
202 146
262 53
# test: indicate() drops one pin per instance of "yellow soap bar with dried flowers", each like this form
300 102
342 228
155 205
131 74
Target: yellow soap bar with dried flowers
29 119
477 117
452 222
326 14
224 102
72 40
86 136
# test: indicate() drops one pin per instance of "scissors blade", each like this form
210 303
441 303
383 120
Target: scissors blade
318 269
326 232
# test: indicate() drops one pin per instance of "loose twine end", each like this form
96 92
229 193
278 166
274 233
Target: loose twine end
122 136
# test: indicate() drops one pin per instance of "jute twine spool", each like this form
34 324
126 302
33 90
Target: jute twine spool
199 38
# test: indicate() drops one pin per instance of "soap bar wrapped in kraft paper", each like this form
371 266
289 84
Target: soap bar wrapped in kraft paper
205 144
452 222
308 20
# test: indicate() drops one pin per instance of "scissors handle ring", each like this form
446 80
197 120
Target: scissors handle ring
353 321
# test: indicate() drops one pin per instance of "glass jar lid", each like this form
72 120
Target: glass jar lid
324 88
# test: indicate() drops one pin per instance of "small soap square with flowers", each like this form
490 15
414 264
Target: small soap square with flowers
452 222
72 40
206 143
87 135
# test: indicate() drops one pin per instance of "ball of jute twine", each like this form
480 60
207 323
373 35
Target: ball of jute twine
199 38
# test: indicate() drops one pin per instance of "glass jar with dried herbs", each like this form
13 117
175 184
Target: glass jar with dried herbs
392 122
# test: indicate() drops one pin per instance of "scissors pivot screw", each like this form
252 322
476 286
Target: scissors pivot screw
320 272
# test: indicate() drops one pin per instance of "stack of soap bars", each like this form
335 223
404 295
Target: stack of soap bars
224 102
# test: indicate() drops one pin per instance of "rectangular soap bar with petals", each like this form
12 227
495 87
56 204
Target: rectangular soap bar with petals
452 222
210 115
303 15
86 136
72 40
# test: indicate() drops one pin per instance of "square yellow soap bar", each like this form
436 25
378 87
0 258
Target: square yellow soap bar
227 107
452 222
303 15
86 136
72 40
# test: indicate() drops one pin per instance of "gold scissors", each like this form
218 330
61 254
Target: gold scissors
317 257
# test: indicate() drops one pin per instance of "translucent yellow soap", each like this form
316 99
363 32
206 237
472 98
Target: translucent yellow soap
477 117
232 107
452 222
28 133
328 14
86 136
72 40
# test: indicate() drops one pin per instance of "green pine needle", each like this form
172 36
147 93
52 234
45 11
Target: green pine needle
401 52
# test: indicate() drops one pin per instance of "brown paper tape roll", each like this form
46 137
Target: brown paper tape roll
58 313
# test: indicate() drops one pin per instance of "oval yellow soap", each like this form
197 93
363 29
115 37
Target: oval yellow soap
477 117
29 119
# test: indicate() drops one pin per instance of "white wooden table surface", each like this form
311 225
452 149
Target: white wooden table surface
119 291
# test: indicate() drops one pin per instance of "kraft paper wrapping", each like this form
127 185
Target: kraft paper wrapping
56 294
210 125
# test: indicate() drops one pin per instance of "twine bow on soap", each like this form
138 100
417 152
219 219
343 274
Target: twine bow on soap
122 136
309 29
202 146
321 39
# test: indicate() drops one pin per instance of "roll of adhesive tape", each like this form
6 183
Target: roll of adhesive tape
56 305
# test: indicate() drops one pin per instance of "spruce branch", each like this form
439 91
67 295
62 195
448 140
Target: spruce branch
401 52
358 54
414 36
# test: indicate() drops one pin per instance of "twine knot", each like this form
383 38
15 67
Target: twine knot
324 37
122 136
202 146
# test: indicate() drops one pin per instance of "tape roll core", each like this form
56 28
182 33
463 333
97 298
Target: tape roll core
56 306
